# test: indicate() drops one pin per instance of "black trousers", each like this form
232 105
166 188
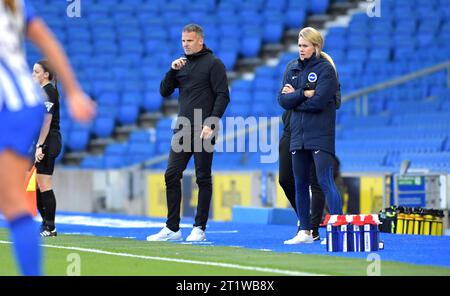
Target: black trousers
176 165
286 180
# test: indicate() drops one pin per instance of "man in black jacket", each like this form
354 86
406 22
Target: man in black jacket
201 79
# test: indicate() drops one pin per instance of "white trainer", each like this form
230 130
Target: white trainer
300 238
165 235
197 235
324 241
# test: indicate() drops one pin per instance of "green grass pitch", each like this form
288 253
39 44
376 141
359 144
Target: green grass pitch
121 257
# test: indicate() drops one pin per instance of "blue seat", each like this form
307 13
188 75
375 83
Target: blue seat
113 161
103 126
80 34
275 5
132 97
356 55
273 30
152 101
92 162
304 5
335 42
128 113
319 6
380 54
426 39
358 41
78 140
141 136
339 31
264 96
266 84
131 47
250 46
250 17
265 71
265 109
407 26
146 149
105 46
164 125
229 58
381 26
118 149
162 147
107 111
237 108
243 96
295 18
108 98
242 85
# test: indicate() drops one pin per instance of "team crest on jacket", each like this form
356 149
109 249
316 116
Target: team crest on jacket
312 77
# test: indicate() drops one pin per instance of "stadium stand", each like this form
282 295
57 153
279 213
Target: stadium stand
121 54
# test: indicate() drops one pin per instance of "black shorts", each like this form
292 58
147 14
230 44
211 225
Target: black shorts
52 148
46 166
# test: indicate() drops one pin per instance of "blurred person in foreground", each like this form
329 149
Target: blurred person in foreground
21 115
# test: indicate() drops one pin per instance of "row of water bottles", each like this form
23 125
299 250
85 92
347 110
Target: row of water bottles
352 233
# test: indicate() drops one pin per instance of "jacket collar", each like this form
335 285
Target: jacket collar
205 50
306 62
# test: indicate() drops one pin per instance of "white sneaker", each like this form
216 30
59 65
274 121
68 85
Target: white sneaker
165 235
197 235
300 238
324 241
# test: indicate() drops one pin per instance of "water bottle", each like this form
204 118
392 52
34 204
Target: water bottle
356 235
426 224
417 223
400 223
371 234
337 235
332 238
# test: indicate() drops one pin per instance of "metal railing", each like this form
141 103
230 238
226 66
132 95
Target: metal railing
361 96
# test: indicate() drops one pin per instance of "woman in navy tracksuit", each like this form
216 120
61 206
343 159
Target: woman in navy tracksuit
310 93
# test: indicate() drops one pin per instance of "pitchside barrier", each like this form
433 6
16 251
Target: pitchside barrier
237 193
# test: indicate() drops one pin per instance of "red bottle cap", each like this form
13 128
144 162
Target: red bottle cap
369 220
325 221
357 220
341 220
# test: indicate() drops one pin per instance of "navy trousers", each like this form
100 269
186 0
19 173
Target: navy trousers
302 160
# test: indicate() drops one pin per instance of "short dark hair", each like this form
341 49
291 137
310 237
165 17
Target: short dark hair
194 28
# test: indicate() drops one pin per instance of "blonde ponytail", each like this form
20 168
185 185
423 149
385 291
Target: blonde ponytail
329 59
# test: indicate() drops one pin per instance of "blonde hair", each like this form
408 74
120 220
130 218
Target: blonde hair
10 4
315 38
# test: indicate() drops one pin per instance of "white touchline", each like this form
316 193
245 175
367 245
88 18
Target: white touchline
225 265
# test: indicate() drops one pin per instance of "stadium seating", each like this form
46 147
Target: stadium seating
121 50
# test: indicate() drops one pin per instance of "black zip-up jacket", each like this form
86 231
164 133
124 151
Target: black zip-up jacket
286 117
313 120
202 83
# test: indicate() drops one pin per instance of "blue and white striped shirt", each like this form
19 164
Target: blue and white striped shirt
17 89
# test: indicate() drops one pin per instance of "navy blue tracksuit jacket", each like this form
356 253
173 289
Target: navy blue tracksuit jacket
313 120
